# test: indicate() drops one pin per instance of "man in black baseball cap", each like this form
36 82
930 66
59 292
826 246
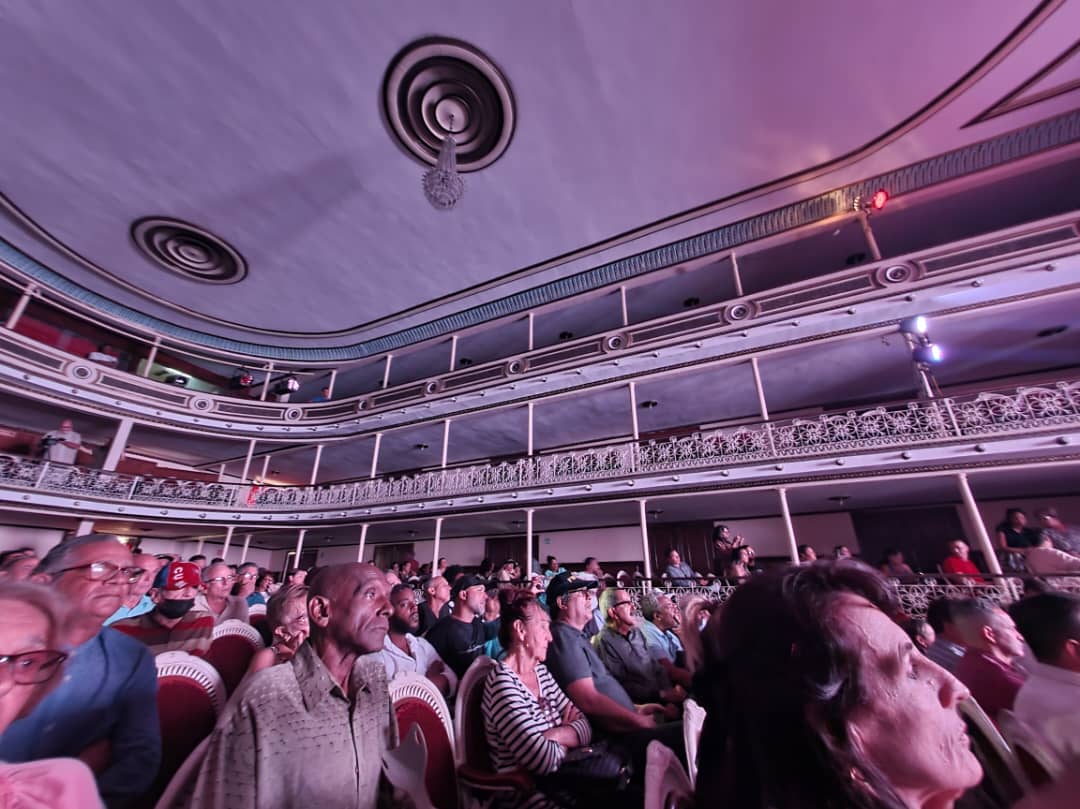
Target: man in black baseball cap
459 637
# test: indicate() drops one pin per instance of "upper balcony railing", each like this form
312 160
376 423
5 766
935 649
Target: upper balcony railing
923 422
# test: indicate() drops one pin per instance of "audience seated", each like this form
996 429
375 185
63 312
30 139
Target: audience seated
1049 701
311 732
661 618
815 698
944 617
198 559
678 572
958 566
287 622
104 710
993 647
1064 537
264 589
528 721
842 552
621 645
552 568
216 597
138 601
246 575
894 566
404 651
1043 559
31 636
739 568
806 554
581 673
173 625
17 564
459 637
436 603
591 569
921 633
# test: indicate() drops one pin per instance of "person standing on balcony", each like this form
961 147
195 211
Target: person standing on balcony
1064 537
216 599
63 445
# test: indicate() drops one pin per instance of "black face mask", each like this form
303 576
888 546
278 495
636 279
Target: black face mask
175 608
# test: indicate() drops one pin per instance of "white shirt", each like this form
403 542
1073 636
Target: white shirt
58 451
1041 561
422 653
1049 703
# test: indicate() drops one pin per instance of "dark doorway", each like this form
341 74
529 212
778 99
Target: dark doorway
386 555
499 549
920 532
308 559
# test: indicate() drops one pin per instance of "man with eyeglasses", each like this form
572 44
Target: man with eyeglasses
622 646
217 599
246 576
173 625
104 710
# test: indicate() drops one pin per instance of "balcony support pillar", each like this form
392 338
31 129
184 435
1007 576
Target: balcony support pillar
266 381
228 541
20 307
315 465
363 542
445 442
645 554
789 526
982 536
117 445
375 455
438 540
529 542
151 358
244 552
247 461
633 411
299 547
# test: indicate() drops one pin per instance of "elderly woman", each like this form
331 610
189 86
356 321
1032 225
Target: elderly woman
287 620
529 722
31 662
811 714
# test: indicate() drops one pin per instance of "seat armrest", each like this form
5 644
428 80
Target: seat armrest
478 778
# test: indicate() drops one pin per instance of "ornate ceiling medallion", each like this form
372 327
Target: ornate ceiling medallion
187 250
435 87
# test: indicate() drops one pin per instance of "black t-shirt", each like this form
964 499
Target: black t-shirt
428 619
458 643
1024 538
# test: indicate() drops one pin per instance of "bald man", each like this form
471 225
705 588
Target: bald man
311 732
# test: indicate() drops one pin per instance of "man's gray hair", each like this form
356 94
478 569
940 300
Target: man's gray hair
650 605
609 598
56 558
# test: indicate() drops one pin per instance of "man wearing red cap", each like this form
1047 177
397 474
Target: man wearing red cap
173 626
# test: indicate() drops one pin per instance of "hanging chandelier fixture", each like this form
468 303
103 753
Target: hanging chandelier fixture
443 186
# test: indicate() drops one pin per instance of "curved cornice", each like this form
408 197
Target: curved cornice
1040 137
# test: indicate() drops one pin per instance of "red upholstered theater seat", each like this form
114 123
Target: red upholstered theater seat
234 644
440 777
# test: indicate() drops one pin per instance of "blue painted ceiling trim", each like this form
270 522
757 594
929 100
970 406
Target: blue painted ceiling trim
1049 134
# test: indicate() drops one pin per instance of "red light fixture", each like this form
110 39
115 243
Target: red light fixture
877 202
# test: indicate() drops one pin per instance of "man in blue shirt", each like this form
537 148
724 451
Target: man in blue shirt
104 710
138 602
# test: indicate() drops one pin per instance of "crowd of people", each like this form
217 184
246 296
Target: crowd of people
809 677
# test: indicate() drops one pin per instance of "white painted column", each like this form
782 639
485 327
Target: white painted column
375 455
227 542
762 406
789 527
266 381
633 411
622 303
152 356
221 473
445 441
453 351
438 540
330 383
363 542
247 461
532 324
529 408
20 307
735 275
265 467
529 552
243 553
315 466
299 547
118 445
645 555
199 546
982 536
386 371
84 527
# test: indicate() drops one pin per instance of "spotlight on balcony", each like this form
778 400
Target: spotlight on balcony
914 325
929 354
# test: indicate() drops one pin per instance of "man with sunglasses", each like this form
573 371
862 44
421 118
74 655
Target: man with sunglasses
104 710
217 599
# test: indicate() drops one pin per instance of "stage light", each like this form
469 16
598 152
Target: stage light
929 354
877 202
914 325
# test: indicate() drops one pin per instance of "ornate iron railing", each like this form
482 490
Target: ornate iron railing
903 425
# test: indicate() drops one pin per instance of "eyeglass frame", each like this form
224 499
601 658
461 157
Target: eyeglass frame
11 660
223 579
132 575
